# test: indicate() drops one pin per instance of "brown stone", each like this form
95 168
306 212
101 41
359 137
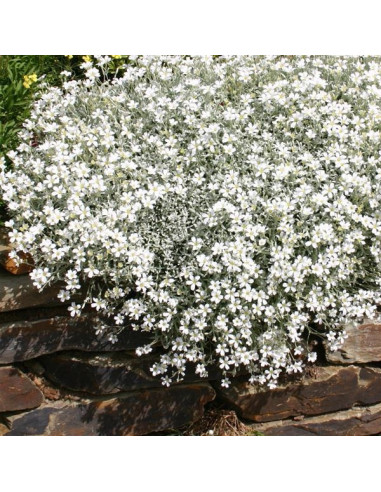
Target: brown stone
17 392
363 345
3 429
135 413
5 248
24 266
24 340
333 389
106 373
363 421
18 292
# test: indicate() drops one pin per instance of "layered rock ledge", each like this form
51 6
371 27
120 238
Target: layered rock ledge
57 377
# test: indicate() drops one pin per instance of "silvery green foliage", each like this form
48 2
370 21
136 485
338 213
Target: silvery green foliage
229 206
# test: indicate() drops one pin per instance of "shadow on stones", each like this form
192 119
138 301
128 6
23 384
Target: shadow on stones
18 292
143 412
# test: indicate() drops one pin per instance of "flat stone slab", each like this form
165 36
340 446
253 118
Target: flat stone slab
25 340
334 388
18 292
363 345
107 373
17 392
135 413
363 421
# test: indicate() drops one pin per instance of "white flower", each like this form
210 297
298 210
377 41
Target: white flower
63 295
92 73
75 309
194 282
113 338
225 383
312 356
166 381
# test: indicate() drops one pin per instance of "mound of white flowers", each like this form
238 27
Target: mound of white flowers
230 206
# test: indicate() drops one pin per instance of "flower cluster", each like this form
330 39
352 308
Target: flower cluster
229 206
29 80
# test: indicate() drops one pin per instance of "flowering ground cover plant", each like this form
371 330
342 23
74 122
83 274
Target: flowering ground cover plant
230 206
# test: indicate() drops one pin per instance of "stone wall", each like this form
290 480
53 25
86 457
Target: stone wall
58 378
